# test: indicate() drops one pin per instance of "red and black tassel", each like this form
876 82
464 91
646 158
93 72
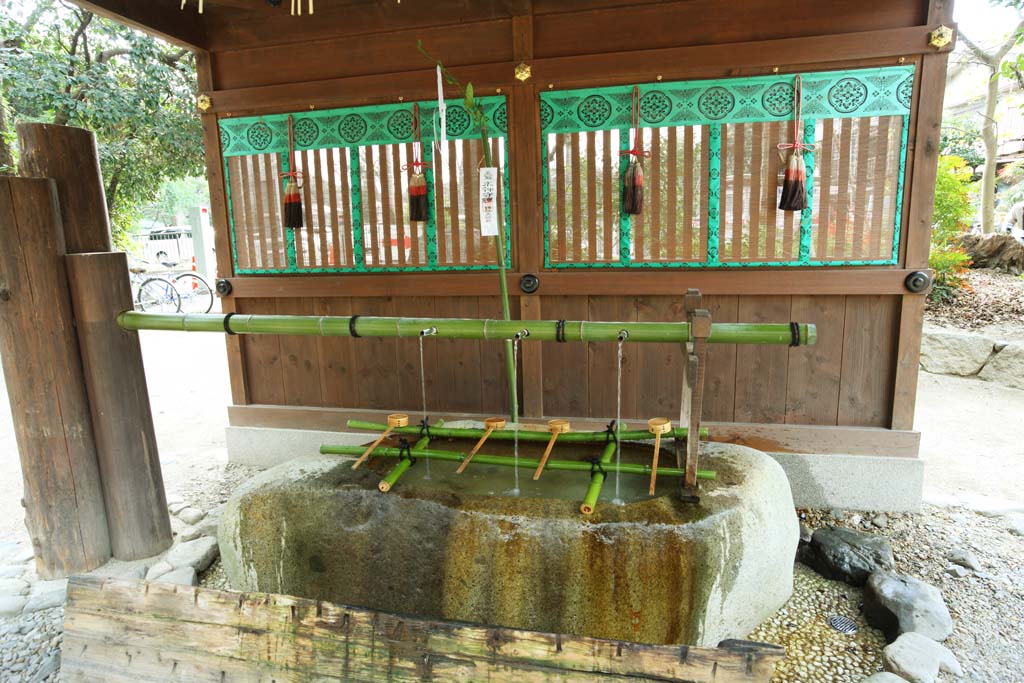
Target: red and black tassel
794 181
292 196
419 206
633 178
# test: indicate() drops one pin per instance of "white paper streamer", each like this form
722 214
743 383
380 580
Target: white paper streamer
442 112
489 201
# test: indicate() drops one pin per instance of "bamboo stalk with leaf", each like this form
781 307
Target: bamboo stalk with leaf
478 117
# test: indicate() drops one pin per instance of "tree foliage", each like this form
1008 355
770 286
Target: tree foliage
60 64
961 137
953 199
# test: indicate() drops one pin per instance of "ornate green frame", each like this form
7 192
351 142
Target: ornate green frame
355 127
885 91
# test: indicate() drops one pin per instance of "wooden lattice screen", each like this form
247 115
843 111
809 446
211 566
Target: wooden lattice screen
713 175
355 181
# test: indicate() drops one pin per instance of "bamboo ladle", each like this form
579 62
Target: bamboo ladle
556 427
394 420
657 426
491 423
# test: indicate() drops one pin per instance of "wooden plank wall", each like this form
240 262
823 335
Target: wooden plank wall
861 373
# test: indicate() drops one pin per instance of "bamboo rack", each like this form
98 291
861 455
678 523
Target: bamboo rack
457 328
524 435
523 463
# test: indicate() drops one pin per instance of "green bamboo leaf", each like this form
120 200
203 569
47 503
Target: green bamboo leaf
469 96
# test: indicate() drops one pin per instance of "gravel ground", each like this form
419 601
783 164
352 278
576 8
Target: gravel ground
30 647
987 606
994 303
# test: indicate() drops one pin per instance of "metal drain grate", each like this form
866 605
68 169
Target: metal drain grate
842 624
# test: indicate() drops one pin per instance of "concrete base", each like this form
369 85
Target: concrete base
851 482
458 547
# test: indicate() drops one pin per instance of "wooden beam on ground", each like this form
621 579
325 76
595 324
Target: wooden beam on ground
63 496
115 377
162 19
119 631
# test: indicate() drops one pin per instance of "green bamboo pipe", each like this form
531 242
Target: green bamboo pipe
456 328
506 461
391 478
524 435
597 481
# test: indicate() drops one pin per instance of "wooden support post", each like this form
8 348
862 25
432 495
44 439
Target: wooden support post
115 378
63 497
69 156
692 400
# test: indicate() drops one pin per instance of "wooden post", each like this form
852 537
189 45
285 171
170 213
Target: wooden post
63 499
129 463
69 156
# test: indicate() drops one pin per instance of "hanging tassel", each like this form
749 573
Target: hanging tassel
633 178
418 204
292 196
794 182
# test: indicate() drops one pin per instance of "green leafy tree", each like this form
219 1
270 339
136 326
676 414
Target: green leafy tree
961 137
67 66
953 199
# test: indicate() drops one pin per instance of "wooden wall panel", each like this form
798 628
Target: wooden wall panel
374 358
603 359
720 382
658 367
261 356
300 365
812 384
335 358
761 370
566 386
868 365
494 397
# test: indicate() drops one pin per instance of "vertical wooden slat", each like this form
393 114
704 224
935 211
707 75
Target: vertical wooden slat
577 199
558 185
723 226
843 196
736 182
398 197
657 229
337 259
761 370
308 205
880 182
790 227
823 193
591 252
384 170
772 207
414 228
861 184
532 363
756 173
346 207
248 206
869 360
470 151
440 214
672 200
322 205
455 227
609 190
705 164
498 154
271 174
688 189
238 206
371 235
812 384
260 225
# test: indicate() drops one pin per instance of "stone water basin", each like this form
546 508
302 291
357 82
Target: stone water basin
461 548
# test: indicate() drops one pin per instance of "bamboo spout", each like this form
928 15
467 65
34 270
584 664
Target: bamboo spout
491 423
657 426
394 420
556 427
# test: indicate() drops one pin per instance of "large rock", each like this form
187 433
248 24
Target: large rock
954 353
896 603
918 659
999 251
198 554
655 570
884 677
847 555
1006 367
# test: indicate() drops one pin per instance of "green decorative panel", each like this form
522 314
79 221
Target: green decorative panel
833 94
865 94
385 124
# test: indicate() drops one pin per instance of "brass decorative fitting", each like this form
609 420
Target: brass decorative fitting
940 37
523 71
203 102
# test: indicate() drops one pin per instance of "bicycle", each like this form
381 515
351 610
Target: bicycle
196 293
154 294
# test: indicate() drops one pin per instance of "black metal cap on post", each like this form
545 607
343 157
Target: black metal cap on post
224 287
917 282
529 283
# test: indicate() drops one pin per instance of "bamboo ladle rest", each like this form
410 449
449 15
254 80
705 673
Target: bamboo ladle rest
394 420
491 424
556 427
657 426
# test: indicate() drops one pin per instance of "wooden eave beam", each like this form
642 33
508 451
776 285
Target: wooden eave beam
161 19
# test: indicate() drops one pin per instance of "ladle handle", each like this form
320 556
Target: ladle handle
473 452
366 453
544 458
654 466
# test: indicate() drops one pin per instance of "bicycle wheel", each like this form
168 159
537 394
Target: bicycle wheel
196 293
157 295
